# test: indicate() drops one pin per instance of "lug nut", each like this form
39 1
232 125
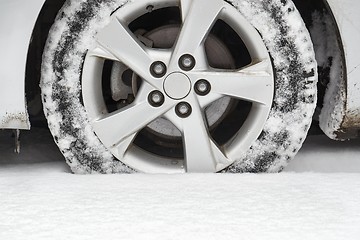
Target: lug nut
202 87
187 62
183 109
158 69
156 98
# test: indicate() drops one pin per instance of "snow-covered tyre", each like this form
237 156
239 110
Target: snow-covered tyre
168 86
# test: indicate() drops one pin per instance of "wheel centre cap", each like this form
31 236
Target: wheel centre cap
177 85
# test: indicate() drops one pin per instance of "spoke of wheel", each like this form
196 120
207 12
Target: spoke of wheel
201 153
118 41
253 84
102 53
199 16
185 6
119 128
123 146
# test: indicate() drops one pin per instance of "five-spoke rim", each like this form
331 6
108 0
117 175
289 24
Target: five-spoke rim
177 84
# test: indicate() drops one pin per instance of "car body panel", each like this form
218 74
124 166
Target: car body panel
17 20
18 17
340 115
348 20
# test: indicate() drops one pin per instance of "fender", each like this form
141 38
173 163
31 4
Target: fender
345 124
17 20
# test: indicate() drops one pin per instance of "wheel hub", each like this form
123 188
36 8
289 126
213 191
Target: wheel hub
177 85
164 37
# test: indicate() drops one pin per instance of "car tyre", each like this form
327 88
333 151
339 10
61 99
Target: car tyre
278 138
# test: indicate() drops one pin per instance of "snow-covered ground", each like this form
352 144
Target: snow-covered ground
317 197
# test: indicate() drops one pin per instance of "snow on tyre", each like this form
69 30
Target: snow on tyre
172 86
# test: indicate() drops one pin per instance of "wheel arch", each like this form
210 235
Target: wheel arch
44 21
345 124
338 108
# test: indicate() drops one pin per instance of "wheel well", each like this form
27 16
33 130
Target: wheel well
41 29
307 9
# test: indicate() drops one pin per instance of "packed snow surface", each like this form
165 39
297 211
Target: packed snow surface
41 199
40 202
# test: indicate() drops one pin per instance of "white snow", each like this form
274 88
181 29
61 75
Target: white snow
41 199
40 202
323 155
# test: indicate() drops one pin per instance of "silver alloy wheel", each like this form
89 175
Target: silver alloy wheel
117 130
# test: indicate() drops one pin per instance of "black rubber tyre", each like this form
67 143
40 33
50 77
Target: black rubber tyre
284 35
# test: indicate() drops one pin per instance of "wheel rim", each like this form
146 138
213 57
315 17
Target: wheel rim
186 83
